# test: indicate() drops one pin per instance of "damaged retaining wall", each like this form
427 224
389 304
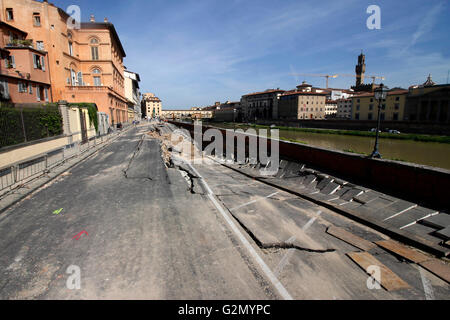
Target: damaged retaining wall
427 186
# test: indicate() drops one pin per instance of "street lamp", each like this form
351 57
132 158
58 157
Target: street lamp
380 95
234 119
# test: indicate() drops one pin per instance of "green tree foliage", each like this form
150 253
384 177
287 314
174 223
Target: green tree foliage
39 123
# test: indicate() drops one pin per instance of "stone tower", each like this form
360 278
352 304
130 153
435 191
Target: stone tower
360 69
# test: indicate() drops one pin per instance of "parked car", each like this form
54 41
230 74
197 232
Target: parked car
394 131
374 130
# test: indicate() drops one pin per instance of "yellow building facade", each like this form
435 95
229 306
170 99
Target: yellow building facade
365 106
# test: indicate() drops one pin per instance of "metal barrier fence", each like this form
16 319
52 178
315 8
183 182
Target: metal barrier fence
18 173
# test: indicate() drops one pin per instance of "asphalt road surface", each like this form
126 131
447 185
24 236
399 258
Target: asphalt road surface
136 230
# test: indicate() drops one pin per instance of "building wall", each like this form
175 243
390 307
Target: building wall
56 35
366 107
302 106
428 104
344 109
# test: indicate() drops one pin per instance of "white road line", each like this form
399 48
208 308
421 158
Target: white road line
254 201
427 287
310 222
277 284
401 212
284 261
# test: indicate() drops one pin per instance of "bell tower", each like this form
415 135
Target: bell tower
360 69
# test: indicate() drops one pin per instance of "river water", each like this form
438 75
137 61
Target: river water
427 153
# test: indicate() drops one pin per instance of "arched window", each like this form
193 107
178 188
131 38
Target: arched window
94 48
97 77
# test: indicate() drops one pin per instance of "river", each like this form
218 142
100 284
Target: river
426 153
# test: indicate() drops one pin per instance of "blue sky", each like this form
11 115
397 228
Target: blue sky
193 53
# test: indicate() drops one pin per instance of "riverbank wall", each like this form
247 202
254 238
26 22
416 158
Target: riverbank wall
425 185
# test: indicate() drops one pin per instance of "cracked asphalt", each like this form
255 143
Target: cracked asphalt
151 235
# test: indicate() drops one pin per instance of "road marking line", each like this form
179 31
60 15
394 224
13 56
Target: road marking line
284 261
427 287
401 212
254 201
276 283
310 222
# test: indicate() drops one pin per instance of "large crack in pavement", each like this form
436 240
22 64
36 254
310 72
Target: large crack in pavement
280 245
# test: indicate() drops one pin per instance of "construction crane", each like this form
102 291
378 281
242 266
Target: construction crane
327 76
374 78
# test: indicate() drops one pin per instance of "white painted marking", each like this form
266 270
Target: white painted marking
310 222
284 261
401 212
276 283
427 287
254 201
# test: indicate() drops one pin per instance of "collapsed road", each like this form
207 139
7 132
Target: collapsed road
159 227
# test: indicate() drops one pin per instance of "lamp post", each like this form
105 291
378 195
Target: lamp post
234 119
380 95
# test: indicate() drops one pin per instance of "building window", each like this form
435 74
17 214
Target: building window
23 88
94 52
383 107
4 90
80 79
397 98
97 78
9 14
358 107
397 106
94 49
39 62
395 117
38 93
383 116
357 116
36 19
30 88
10 62
46 94
40 45
370 116
73 77
371 107
70 48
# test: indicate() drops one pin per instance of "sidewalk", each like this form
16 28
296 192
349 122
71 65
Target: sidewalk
27 187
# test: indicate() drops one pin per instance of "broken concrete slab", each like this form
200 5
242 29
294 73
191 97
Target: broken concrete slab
350 238
403 251
349 195
331 188
439 268
367 196
408 217
444 233
322 184
439 221
388 279
309 179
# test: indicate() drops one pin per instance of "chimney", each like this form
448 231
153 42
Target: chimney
92 18
106 20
